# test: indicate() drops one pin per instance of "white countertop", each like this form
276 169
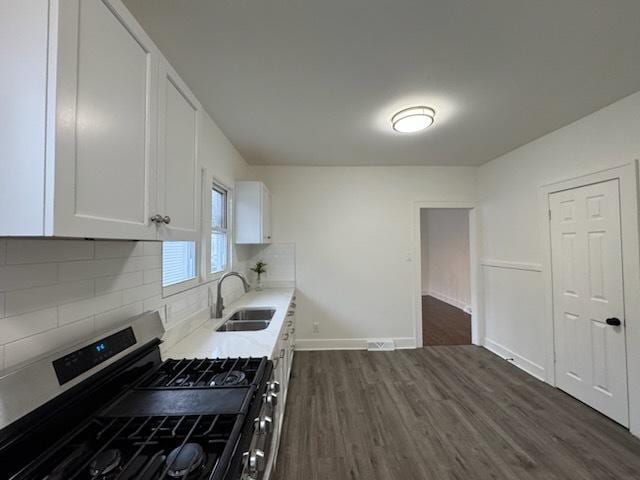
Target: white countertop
206 342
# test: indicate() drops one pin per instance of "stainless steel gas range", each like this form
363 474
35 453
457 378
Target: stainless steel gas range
111 409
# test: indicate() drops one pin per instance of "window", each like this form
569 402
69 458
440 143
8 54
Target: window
187 264
178 262
219 229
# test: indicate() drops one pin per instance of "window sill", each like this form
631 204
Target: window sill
180 287
213 277
177 288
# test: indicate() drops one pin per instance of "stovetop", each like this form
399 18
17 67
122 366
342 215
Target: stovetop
193 387
204 373
145 448
183 419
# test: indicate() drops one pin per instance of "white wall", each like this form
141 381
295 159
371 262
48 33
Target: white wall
55 292
508 190
446 275
352 227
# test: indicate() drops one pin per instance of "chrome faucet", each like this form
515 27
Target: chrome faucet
219 302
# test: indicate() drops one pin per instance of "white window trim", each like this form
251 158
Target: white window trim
203 246
207 229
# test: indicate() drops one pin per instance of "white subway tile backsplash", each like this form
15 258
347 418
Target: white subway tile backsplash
151 276
108 320
140 293
91 269
100 268
152 248
118 282
21 326
16 277
32 347
22 301
186 304
47 250
75 311
280 260
55 292
155 303
118 249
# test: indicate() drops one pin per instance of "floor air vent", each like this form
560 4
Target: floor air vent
381 345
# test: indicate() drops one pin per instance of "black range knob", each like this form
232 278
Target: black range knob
614 322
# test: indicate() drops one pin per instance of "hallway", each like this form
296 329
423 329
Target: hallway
443 324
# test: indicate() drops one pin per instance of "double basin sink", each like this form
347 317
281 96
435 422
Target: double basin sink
248 320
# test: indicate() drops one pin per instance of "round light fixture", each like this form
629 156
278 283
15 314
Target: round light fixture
413 119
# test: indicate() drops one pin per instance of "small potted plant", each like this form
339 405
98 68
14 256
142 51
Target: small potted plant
259 269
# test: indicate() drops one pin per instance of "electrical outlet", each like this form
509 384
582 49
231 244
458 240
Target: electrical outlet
316 327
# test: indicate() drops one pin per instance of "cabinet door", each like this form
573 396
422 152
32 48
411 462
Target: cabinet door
266 215
101 134
178 183
292 343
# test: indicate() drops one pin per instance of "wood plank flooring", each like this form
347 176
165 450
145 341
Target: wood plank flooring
443 324
441 413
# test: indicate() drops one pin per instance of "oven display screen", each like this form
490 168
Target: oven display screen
76 363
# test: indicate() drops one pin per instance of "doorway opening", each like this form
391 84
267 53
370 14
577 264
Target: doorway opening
445 269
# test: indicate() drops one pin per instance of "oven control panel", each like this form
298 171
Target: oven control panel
76 363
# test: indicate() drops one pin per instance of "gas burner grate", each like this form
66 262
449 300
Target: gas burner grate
153 448
205 373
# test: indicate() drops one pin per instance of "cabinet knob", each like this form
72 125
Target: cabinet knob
271 399
157 218
166 219
274 386
256 461
263 424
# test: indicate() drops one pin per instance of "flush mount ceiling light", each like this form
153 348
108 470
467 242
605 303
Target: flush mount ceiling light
413 119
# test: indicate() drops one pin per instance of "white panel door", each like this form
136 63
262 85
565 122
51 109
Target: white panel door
178 183
588 297
105 127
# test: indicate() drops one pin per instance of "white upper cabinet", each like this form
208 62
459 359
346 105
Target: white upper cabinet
105 94
252 213
178 173
99 133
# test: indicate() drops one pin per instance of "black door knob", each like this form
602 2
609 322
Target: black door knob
613 321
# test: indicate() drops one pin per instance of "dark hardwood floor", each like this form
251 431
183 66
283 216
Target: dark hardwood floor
443 324
458 413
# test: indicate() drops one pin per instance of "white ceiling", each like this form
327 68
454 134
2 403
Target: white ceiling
315 82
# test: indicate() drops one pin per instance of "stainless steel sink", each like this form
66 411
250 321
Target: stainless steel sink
250 314
244 326
247 320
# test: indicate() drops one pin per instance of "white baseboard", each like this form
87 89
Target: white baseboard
530 267
310 344
519 361
451 301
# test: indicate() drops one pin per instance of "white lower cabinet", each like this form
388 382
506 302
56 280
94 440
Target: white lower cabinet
282 358
81 155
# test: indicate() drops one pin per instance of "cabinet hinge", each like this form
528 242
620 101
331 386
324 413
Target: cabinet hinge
549 214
